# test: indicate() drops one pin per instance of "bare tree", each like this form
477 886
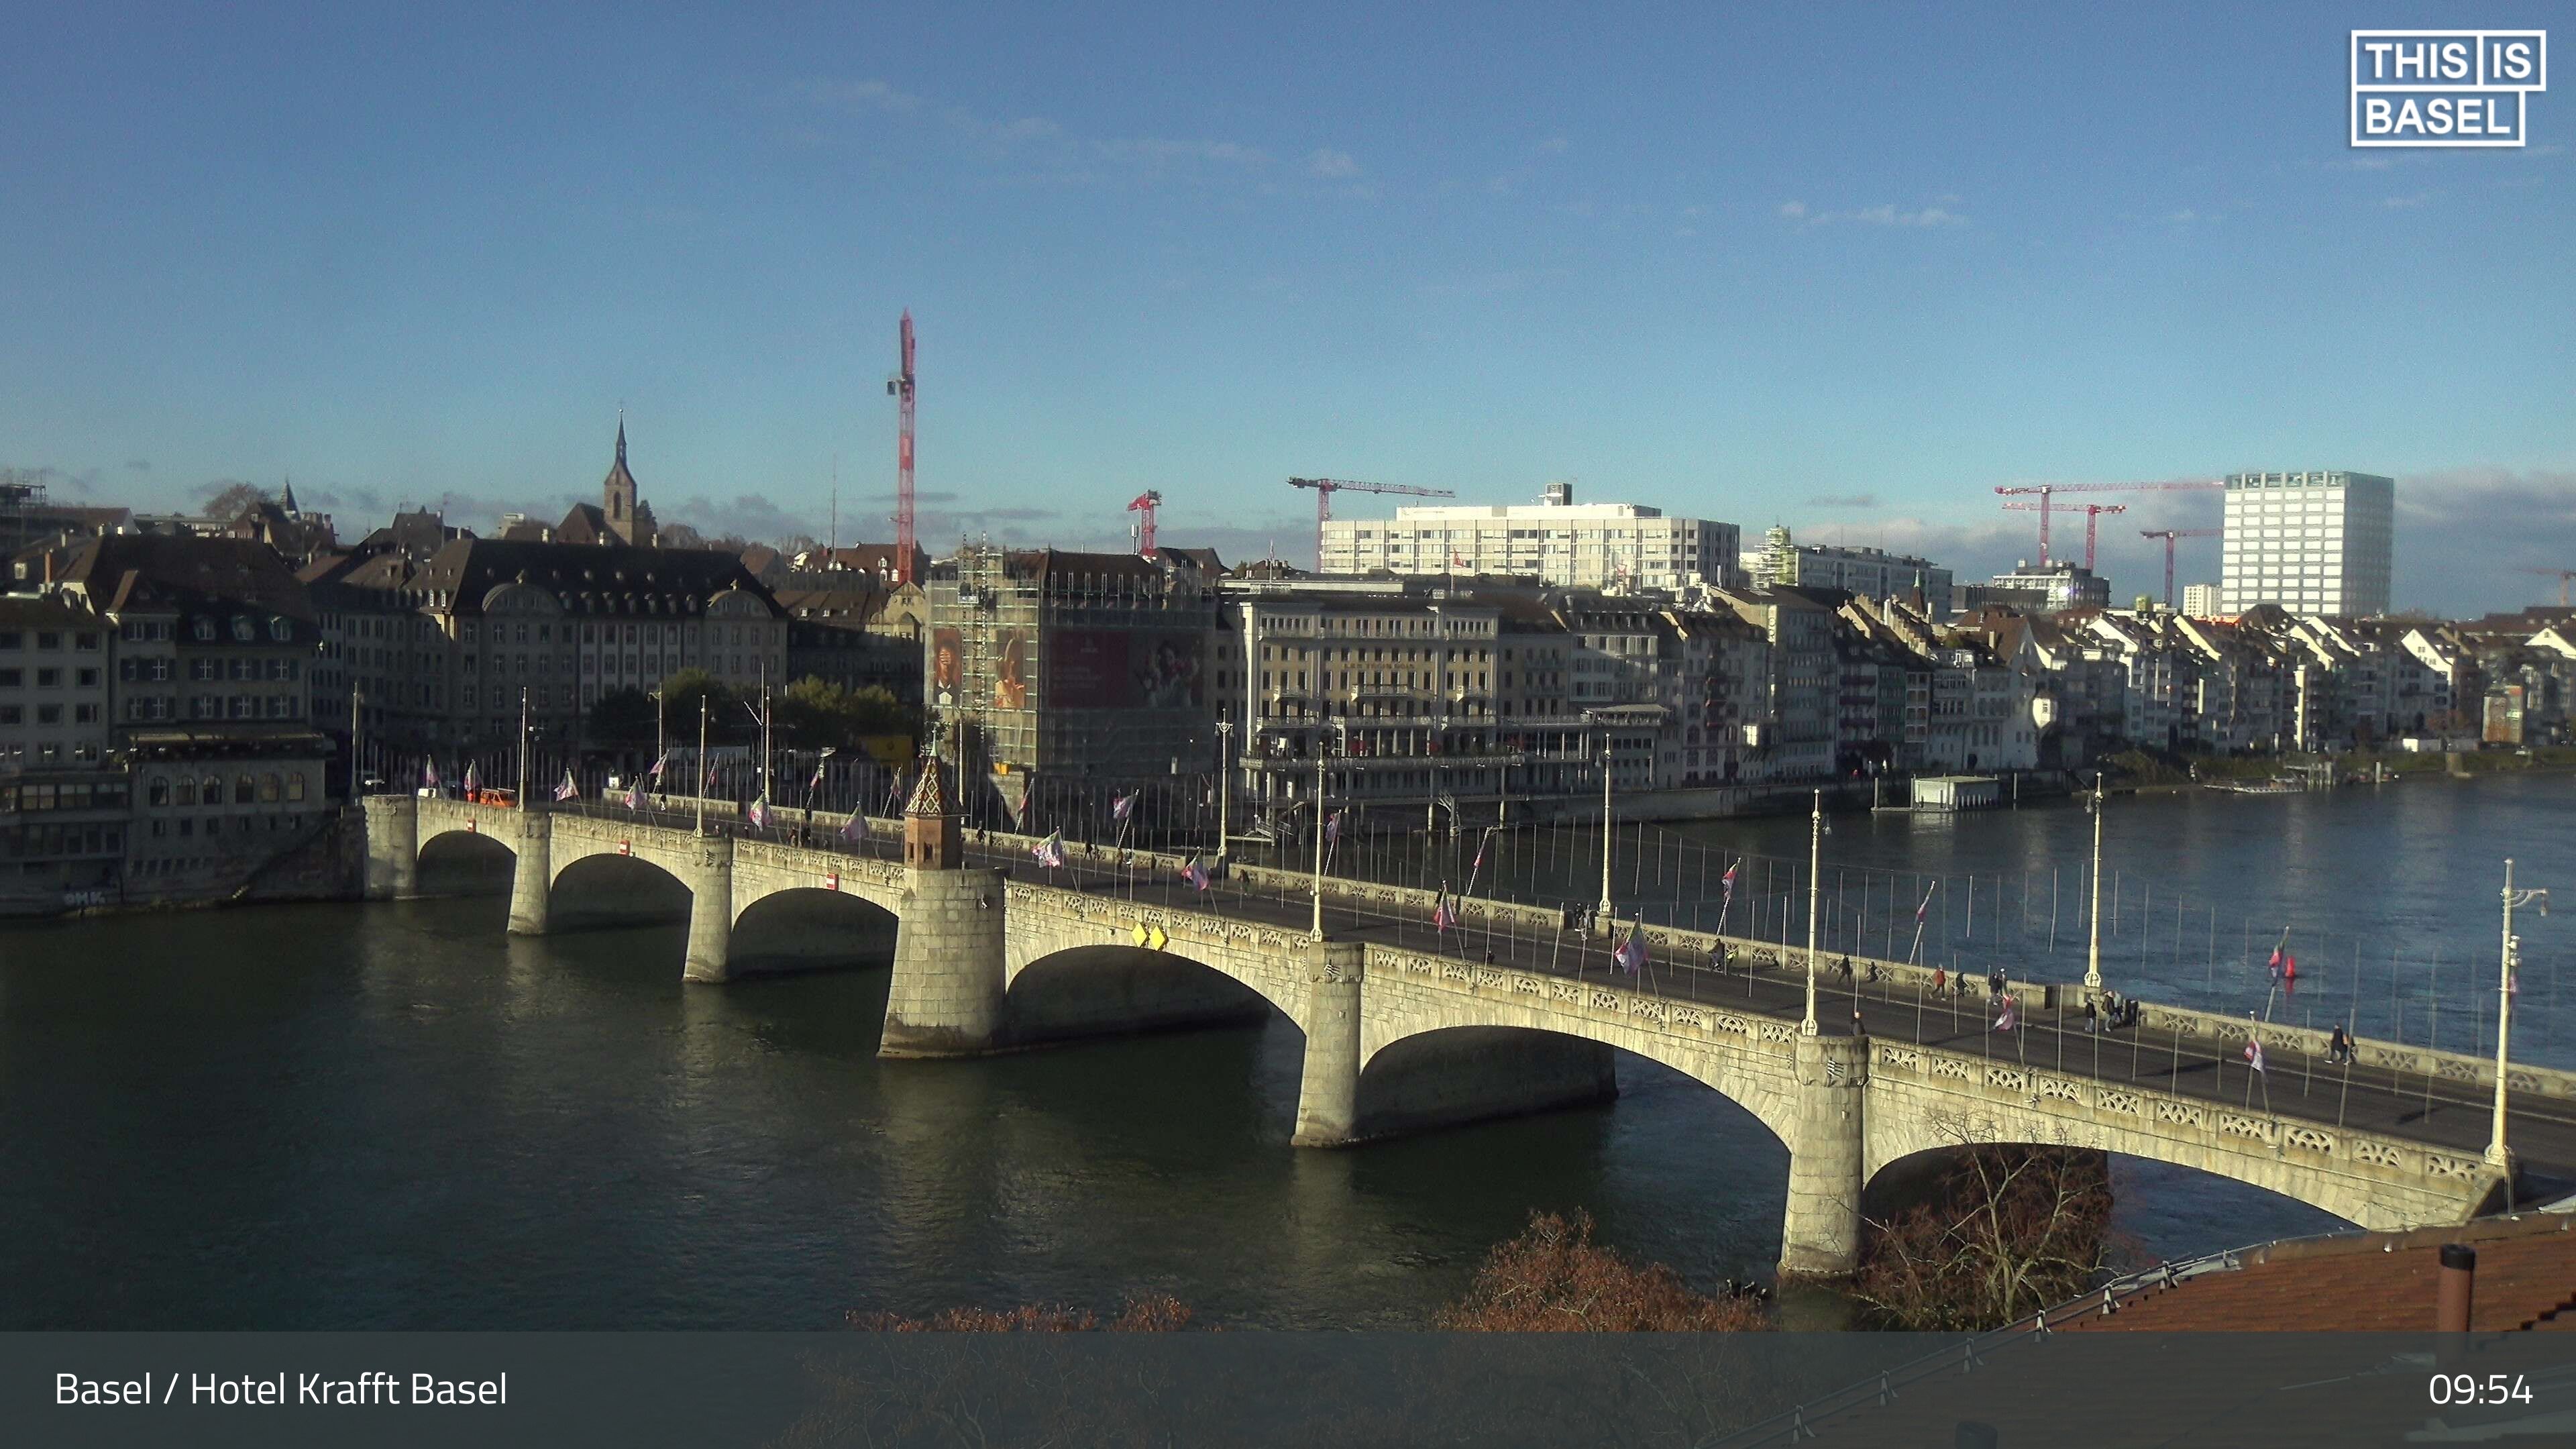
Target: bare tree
2012 1228
1553 1278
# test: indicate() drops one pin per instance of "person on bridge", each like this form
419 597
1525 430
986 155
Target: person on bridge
2092 1016
2339 1049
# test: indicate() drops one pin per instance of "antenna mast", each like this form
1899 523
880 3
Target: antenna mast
901 386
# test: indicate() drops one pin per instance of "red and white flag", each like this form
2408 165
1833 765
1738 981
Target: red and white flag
2011 1015
2254 1052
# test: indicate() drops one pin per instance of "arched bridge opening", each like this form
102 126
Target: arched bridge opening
1452 1075
1106 990
810 928
2191 1208
464 863
607 892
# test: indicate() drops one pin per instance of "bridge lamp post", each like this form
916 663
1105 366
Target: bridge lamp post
699 766
2511 956
1606 743
1322 824
1815 873
1224 783
2093 954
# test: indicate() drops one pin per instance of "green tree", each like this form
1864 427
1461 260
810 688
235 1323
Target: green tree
623 718
728 723
816 713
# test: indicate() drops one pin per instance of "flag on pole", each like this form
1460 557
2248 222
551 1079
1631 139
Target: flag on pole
817 782
567 790
2254 1052
2011 1015
709 782
1443 915
1122 806
855 828
429 773
759 811
1333 828
1631 955
1050 851
1927 902
635 796
469 779
664 759
1195 873
1481 847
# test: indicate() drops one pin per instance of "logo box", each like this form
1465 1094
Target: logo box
2444 88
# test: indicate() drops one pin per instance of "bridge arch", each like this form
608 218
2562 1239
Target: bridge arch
1103 989
2333 1172
799 927
604 888
464 862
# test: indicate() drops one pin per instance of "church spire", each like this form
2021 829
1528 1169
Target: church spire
621 437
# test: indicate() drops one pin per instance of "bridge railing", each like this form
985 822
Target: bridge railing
2221 1031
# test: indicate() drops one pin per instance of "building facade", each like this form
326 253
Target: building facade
1871 572
1624 546
2201 600
2317 542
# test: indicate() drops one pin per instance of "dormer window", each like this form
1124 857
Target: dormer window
243 630
204 630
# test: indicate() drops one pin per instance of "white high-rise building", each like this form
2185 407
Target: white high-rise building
2317 542
1589 545
2200 601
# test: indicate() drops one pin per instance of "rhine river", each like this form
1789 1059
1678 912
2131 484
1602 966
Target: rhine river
392 1116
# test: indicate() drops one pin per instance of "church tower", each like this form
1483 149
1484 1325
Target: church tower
628 518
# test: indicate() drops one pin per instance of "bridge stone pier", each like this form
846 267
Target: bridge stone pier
1401 1039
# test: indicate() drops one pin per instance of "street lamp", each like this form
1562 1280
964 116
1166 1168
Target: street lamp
2511 956
1604 723
2093 957
1224 783
1815 873
1322 788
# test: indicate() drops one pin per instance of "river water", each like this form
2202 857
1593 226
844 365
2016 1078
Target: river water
393 1116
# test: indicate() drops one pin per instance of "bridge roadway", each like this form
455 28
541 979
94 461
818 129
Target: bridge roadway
2188 1081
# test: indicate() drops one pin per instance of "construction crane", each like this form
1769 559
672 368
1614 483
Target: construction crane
2169 535
899 386
1146 502
2046 491
2092 520
1325 488
2562 575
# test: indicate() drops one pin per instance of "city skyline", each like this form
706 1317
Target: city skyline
274 260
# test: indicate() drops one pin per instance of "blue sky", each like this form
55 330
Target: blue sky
1845 268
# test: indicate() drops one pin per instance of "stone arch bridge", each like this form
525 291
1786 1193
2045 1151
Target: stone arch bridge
1400 1036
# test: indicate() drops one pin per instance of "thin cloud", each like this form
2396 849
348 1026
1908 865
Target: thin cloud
1887 214
1844 500
1328 164
1036 148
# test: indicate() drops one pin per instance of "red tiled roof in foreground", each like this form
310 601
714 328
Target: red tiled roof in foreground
2526 1279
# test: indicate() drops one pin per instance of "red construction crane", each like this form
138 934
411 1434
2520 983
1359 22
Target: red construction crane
899 386
1325 488
2169 535
2562 575
2092 520
1146 502
2047 490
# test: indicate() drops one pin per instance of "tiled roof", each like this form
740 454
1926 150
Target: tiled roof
2526 1278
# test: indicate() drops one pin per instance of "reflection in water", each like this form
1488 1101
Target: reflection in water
396 1116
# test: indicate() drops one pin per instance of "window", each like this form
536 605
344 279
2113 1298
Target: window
281 630
243 786
295 787
12 678
243 630
268 789
49 679
160 790
88 678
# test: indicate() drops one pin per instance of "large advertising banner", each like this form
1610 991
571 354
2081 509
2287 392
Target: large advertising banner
947 659
1011 671
1122 669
